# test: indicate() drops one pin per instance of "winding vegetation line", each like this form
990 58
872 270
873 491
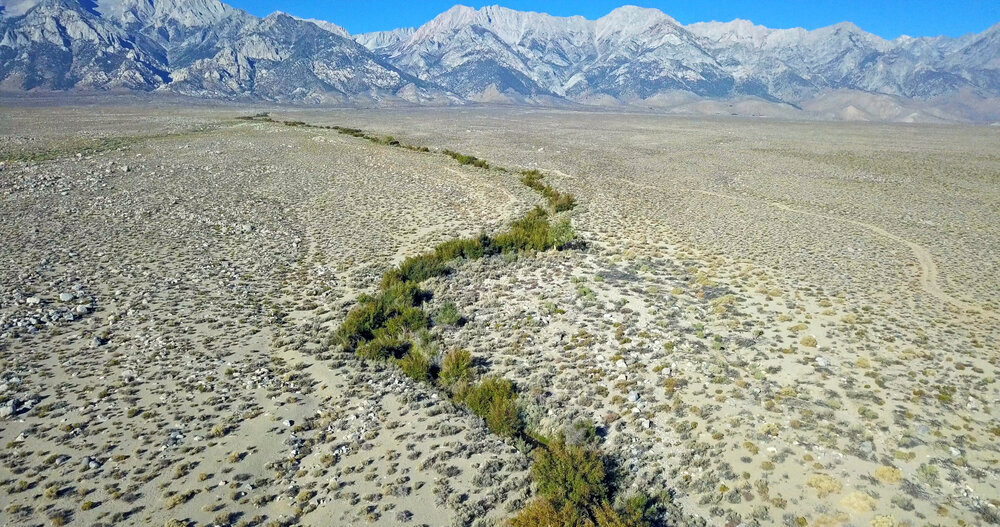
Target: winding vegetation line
575 483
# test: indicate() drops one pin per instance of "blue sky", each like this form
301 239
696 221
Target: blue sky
887 18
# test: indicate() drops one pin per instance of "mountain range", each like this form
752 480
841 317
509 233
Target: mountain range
633 57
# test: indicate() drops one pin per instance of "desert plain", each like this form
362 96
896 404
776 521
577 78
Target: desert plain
765 322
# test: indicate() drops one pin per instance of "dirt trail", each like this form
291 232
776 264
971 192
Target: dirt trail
928 269
511 199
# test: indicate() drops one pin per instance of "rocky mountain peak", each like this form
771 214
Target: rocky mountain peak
632 55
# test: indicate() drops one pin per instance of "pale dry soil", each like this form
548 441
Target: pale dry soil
165 315
784 323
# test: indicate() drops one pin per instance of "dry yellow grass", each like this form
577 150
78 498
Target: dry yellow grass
824 485
858 501
887 474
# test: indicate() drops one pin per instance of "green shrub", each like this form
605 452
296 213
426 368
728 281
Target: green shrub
468 248
582 432
569 474
493 400
558 201
530 233
606 516
406 319
456 369
540 512
466 160
561 234
350 131
533 180
555 509
416 365
562 202
360 324
416 269
393 309
383 347
448 315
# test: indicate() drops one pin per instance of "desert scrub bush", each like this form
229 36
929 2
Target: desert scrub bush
561 202
180 498
456 369
493 399
824 485
581 432
466 160
569 474
416 365
262 116
383 347
467 248
392 308
558 201
574 490
637 511
416 269
561 234
533 232
888 474
533 180
448 315
60 518
541 512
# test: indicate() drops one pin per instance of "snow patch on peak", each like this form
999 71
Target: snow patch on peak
635 16
632 20
738 30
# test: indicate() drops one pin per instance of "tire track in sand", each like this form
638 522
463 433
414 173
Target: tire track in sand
928 279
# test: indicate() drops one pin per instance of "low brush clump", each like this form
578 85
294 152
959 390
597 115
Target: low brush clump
493 400
456 370
558 201
466 160
575 490
378 324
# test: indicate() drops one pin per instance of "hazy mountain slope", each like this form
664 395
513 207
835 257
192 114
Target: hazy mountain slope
196 47
632 56
635 54
630 53
328 26
58 44
283 59
379 40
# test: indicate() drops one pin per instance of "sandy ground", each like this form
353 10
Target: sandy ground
780 322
